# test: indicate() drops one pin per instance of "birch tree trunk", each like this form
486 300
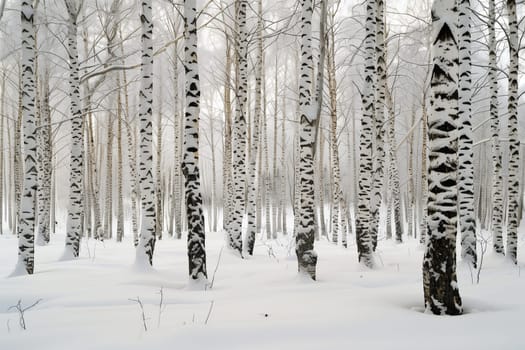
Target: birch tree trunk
177 126
497 178
214 207
227 142
120 196
252 170
393 169
304 242
190 164
44 188
411 186
239 133
2 114
378 172
424 173
363 223
18 167
108 205
320 157
439 263
75 204
132 159
283 164
336 178
147 186
514 142
158 177
467 219
276 224
26 219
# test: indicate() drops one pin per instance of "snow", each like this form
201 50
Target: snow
258 302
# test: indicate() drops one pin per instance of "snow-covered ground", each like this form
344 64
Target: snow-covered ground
255 303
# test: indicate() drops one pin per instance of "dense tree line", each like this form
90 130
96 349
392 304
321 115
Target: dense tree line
326 107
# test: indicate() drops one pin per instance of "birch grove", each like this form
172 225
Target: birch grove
268 128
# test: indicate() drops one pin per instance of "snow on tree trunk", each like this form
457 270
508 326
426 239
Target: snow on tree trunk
26 218
497 179
514 142
304 240
190 163
363 232
239 134
439 263
467 219
147 186
75 203
252 184
424 172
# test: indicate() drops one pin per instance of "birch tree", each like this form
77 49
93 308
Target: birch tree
423 234
75 206
26 218
2 113
147 186
379 120
467 218
514 143
337 194
120 195
439 263
45 168
252 185
239 133
304 241
190 163
497 179
227 142
363 223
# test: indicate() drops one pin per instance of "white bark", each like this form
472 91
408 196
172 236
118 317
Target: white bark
514 142
147 186
363 223
304 246
467 219
439 263
26 219
239 133
75 205
190 163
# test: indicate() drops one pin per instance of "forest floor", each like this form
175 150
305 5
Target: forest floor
255 303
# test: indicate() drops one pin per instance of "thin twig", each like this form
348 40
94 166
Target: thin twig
210 285
209 311
142 310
